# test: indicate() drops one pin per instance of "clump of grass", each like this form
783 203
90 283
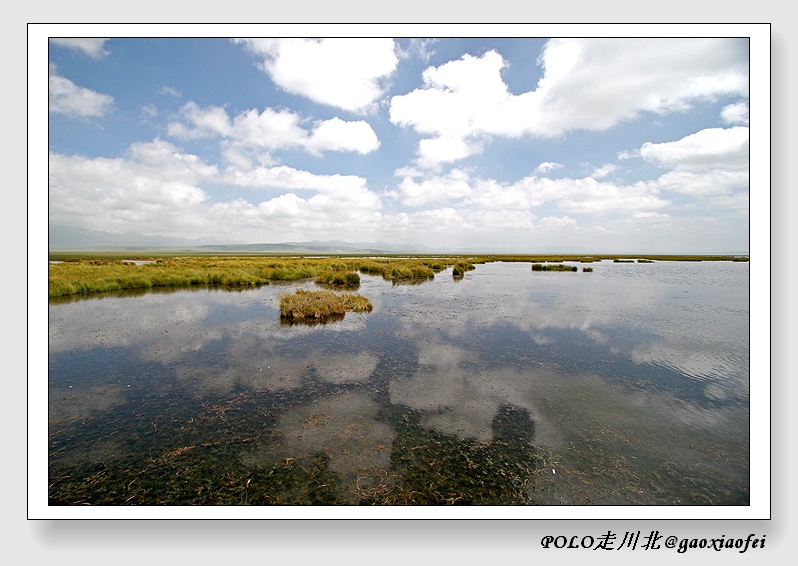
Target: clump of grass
460 267
645 261
556 267
587 269
344 279
618 260
397 270
435 266
321 305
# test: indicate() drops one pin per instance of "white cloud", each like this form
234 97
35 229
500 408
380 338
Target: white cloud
703 183
251 131
283 177
337 135
291 217
202 122
418 47
713 148
157 189
590 84
444 148
625 77
149 111
557 221
152 187
588 195
65 97
649 215
603 171
434 191
736 113
93 47
711 164
547 167
164 89
342 72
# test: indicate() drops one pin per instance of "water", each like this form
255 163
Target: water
628 385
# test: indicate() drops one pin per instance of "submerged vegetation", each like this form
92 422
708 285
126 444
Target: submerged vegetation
321 305
199 462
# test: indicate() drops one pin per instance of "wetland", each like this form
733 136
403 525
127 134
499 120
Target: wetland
472 380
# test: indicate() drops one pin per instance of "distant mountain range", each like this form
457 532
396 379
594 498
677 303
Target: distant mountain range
71 239
68 238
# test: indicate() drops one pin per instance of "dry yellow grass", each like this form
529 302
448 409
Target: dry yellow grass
321 305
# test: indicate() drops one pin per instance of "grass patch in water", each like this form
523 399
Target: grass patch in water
83 276
555 267
460 267
321 305
343 279
87 273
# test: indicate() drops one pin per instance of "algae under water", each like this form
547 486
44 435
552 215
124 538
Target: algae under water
625 386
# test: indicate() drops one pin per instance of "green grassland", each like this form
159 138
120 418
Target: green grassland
82 274
94 274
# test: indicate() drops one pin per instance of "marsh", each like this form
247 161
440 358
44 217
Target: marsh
628 385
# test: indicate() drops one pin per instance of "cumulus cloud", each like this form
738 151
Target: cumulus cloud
434 191
736 113
703 183
337 135
251 131
547 167
458 188
94 47
283 177
346 73
69 99
711 163
603 171
590 84
712 148
157 189
154 185
201 122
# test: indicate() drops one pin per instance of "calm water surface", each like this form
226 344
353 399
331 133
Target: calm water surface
628 385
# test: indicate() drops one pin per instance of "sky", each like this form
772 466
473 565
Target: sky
595 144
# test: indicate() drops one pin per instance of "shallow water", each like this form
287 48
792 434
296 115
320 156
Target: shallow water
628 385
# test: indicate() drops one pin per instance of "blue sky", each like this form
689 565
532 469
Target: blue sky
590 144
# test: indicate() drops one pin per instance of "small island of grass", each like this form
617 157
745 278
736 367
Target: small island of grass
555 267
343 279
321 305
460 267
